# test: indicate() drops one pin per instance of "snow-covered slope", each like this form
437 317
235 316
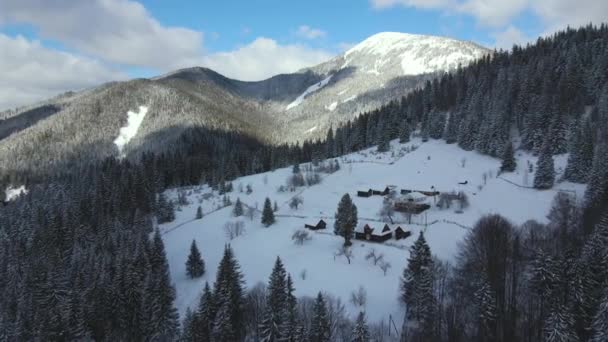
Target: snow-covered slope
381 68
432 164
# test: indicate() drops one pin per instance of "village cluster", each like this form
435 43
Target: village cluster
410 202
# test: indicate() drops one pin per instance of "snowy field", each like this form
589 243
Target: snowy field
313 265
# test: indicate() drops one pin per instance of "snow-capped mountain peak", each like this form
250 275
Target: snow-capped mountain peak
414 54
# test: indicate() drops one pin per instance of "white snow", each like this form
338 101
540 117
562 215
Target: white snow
342 92
432 164
12 193
310 130
413 52
308 91
332 106
350 98
127 132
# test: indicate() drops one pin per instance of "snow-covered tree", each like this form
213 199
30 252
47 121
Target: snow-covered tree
545 170
195 266
360 331
346 219
559 326
508 159
276 304
319 327
199 213
267 213
238 208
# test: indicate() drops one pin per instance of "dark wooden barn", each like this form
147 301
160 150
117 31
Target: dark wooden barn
384 192
400 233
320 225
367 193
368 234
426 193
410 207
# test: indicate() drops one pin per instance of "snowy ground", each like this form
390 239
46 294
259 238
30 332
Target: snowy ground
432 164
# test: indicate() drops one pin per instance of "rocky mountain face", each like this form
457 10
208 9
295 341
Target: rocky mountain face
284 108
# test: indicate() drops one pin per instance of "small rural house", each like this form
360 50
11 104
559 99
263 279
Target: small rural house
320 225
400 233
367 233
366 193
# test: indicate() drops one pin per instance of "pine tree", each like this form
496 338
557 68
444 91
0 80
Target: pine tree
319 328
228 299
296 168
204 317
165 211
276 304
275 207
360 331
267 213
199 213
417 288
545 170
486 311
404 132
188 327
599 327
238 208
195 266
346 219
291 325
508 159
580 160
160 318
597 186
559 326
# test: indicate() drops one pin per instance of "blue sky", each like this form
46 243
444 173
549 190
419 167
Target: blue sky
50 46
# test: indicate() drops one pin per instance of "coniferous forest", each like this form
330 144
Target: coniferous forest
80 258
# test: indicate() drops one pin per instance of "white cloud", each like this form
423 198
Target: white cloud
499 14
118 31
308 32
31 72
263 58
509 37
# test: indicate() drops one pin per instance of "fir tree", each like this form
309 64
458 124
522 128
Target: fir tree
238 208
360 331
199 213
267 213
319 328
580 160
597 186
296 168
486 311
204 316
228 299
275 207
291 325
195 266
559 326
274 315
508 159
545 170
417 288
404 132
165 211
188 327
599 327
346 219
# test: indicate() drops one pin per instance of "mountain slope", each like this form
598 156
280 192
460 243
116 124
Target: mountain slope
284 108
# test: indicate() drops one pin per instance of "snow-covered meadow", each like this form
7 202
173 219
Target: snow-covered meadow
314 265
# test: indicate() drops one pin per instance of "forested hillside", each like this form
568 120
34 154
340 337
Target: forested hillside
79 257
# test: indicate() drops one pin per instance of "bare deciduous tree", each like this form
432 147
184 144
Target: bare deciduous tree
359 297
374 256
346 252
295 202
384 266
234 229
300 236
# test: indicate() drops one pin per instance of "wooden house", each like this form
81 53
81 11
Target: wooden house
400 233
426 193
367 233
366 193
384 192
411 207
320 225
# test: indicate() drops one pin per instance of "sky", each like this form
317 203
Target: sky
51 46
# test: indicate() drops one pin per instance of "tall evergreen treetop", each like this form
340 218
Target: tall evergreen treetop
346 219
267 213
195 266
